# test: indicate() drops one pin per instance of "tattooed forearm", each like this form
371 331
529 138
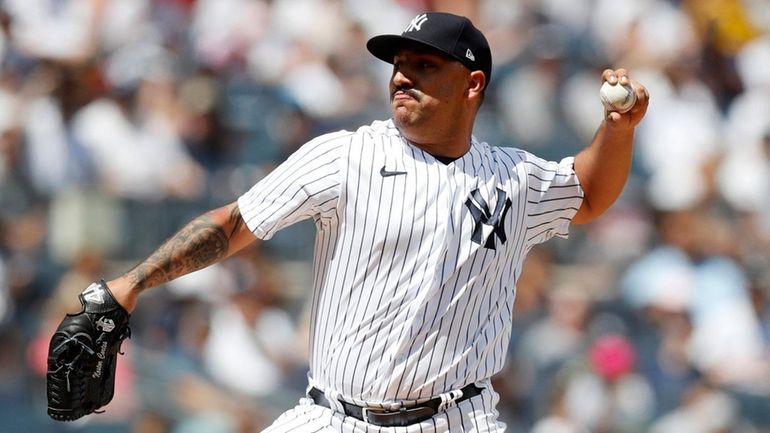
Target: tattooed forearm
202 242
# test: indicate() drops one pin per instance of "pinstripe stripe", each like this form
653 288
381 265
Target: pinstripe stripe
571 208
570 198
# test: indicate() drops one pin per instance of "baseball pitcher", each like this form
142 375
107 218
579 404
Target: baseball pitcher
422 229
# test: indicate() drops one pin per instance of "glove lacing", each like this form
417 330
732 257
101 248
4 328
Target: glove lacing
71 366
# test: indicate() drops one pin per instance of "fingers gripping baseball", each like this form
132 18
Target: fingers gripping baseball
625 100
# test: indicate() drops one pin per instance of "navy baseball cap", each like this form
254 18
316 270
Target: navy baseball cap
450 34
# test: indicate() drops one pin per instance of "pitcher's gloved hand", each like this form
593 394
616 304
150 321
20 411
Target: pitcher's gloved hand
83 354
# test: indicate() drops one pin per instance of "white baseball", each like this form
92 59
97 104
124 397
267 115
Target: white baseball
618 97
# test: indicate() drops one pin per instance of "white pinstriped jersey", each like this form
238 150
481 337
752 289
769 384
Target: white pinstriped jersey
415 261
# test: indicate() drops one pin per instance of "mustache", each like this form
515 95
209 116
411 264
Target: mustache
409 91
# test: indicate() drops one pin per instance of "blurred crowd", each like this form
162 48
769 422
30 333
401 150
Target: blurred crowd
121 120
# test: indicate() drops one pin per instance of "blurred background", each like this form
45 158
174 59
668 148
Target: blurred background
121 120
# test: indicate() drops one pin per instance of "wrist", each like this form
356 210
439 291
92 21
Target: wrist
125 292
619 129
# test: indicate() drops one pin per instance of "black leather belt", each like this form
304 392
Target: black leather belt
393 418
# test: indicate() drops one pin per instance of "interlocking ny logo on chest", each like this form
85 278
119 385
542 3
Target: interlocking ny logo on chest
484 216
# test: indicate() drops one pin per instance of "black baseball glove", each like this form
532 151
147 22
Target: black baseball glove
83 354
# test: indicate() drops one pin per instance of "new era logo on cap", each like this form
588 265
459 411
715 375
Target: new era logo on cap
450 34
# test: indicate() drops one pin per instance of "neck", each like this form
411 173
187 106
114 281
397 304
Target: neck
453 146
445 150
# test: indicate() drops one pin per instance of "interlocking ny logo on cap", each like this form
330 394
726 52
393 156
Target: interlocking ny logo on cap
416 23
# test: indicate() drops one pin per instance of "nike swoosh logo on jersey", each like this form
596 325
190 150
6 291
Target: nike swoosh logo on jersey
386 173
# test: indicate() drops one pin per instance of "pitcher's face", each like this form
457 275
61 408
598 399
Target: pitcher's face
428 90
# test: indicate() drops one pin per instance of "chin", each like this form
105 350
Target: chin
400 120
405 118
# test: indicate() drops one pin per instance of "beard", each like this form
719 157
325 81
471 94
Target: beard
406 108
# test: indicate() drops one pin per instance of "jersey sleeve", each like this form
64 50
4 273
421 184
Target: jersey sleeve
554 196
306 185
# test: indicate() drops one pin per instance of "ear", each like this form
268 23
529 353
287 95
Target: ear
476 83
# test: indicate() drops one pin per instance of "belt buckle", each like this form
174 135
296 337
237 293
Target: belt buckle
365 413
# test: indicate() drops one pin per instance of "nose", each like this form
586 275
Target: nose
400 79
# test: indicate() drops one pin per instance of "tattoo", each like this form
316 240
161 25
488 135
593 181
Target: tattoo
236 221
200 243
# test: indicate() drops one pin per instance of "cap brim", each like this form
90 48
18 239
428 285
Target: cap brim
385 47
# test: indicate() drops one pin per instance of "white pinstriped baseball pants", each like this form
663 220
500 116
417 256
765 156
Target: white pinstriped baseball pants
475 415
